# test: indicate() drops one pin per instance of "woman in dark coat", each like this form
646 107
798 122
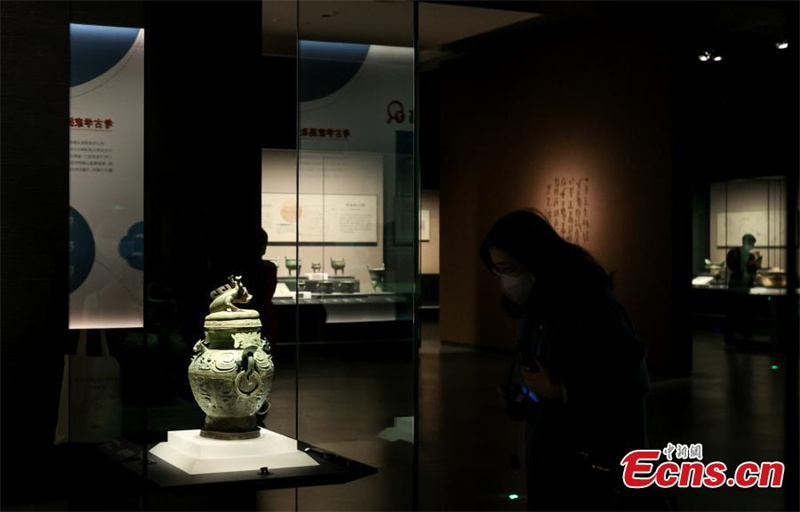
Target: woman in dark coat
580 366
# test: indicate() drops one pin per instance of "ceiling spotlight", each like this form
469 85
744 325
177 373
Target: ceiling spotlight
709 55
782 45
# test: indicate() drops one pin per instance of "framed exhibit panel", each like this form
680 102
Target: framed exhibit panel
425 225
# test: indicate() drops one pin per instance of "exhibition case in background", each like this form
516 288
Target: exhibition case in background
354 185
740 207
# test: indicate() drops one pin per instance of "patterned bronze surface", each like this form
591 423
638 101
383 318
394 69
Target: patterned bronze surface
231 374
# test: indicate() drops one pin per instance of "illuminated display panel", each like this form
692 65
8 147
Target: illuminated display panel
106 177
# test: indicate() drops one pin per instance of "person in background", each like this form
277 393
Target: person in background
266 280
579 368
260 276
743 264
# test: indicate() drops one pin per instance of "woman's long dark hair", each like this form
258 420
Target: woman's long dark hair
559 267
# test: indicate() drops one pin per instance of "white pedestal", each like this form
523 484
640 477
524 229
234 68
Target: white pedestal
760 290
196 455
360 312
281 290
403 430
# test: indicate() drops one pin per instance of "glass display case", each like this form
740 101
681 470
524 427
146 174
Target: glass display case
358 196
266 348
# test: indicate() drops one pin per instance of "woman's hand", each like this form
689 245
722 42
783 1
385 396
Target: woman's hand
543 384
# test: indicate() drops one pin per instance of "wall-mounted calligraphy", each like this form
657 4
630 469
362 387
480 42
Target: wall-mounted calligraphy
567 208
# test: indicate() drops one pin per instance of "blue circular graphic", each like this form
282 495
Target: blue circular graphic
131 247
81 249
95 49
327 67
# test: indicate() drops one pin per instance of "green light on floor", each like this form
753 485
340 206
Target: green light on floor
775 367
513 497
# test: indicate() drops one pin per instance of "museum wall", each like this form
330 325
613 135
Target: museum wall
429 251
583 103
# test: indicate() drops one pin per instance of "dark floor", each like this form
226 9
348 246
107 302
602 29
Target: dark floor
732 405
359 407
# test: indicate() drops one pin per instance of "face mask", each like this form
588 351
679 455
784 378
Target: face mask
517 288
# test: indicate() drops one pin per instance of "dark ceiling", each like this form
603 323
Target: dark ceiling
739 17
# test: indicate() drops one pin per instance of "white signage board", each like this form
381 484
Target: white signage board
730 230
320 218
425 225
106 177
363 105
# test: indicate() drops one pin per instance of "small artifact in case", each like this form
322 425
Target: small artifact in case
771 278
377 276
715 269
325 286
348 285
337 265
294 264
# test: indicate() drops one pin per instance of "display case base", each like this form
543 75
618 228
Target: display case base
196 455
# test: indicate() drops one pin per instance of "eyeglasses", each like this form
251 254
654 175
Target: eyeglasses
510 270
